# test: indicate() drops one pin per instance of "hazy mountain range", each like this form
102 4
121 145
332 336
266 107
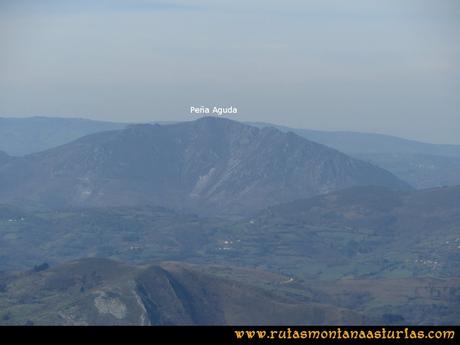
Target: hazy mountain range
21 136
369 143
422 165
208 165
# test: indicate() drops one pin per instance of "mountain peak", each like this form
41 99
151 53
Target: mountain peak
207 165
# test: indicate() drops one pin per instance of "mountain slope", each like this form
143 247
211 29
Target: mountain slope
21 136
422 165
104 292
211 164
369 143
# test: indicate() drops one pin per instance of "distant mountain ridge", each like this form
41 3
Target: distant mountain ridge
368 143
422 165
420 170
210 164
21 136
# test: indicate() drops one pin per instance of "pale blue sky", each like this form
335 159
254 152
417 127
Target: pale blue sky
366 65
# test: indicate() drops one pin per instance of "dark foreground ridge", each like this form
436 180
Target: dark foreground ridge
105 292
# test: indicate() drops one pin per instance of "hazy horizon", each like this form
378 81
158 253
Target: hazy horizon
229 118
365 66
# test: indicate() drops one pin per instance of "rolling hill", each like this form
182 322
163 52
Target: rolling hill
362 232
